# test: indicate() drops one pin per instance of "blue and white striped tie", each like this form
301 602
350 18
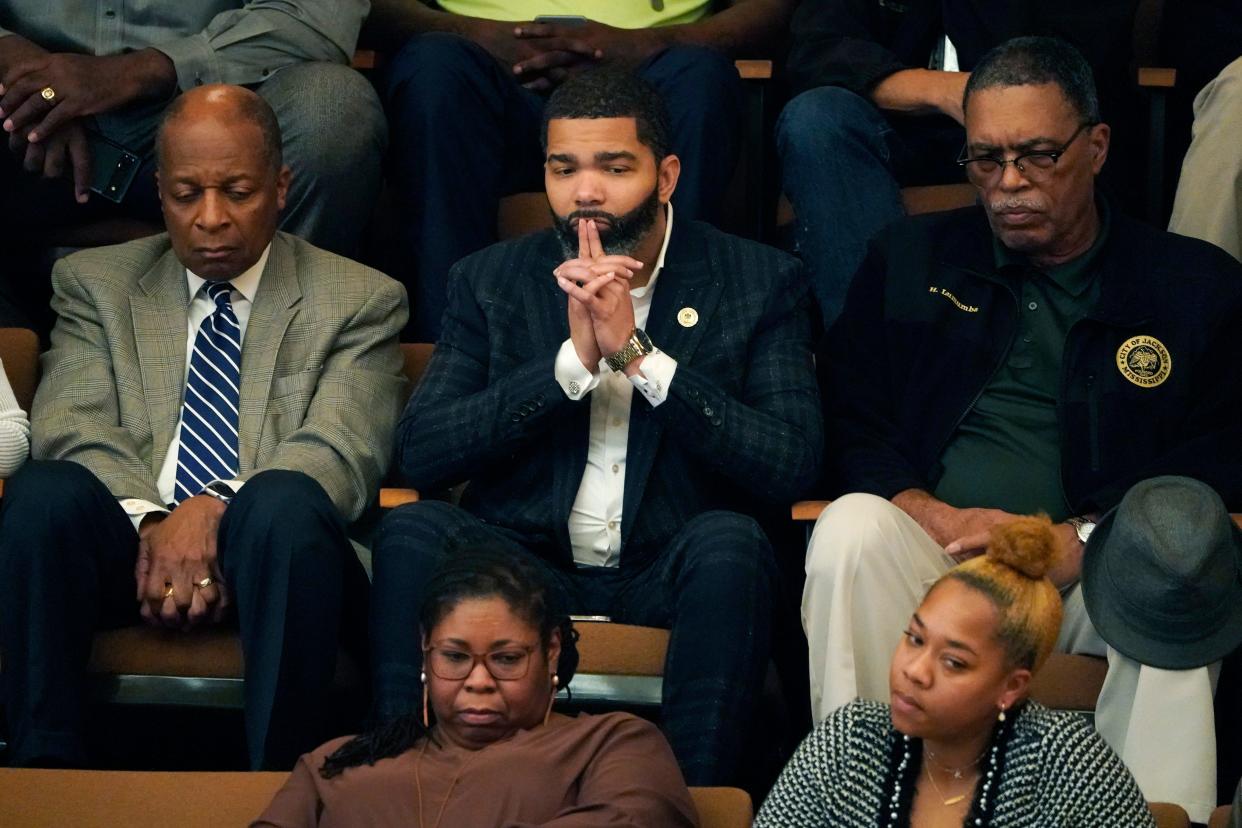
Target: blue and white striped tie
208 449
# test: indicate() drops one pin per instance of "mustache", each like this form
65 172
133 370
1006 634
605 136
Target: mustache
1015 204
583 215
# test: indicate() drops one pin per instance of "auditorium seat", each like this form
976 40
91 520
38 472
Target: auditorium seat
104 799
619 664
1169 815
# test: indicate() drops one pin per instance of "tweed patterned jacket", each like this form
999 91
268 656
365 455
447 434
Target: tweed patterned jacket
1058 773
321 373
740 429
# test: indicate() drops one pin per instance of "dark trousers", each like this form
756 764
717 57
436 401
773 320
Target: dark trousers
465 133
844 164
712 587
67 553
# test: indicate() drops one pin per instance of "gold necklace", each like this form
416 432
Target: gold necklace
953 800
957 772
418 783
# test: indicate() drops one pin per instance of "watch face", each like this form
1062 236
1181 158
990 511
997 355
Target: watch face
221 490
643 340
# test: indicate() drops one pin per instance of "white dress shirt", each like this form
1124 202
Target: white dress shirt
245 287
595 519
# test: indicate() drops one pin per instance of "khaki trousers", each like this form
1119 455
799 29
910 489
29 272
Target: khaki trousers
1208 205
868 567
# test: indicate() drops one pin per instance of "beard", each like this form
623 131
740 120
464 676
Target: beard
621 237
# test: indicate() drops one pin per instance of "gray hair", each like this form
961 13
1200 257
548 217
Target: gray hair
1034 61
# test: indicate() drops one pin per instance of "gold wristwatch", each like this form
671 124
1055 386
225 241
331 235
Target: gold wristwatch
639 344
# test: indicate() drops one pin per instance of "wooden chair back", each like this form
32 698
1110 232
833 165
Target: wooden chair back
19 350
101 799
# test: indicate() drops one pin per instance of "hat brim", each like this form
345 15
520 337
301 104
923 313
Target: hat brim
1115 622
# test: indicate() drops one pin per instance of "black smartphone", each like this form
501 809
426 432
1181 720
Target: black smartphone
562 19
113 167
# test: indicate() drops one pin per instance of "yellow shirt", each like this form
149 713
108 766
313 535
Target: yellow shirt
624 14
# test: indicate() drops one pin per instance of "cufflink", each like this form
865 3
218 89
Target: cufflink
574 387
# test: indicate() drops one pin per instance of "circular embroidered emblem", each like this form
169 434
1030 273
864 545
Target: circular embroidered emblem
1144 361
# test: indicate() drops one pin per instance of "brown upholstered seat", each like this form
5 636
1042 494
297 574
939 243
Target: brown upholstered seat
1169 815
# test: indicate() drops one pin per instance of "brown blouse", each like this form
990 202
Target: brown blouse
613 770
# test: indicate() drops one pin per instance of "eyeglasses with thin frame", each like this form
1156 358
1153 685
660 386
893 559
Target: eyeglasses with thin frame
453 664
1036 165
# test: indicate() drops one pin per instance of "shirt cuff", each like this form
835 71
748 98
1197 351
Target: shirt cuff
655 376
193 59
571 375
137 509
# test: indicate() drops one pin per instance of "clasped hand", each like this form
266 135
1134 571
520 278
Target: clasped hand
971 530
542 55
48 135
601 313
176 553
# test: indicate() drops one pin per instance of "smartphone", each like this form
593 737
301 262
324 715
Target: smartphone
113 167
562 19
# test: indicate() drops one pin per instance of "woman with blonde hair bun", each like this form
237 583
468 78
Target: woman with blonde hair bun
960 744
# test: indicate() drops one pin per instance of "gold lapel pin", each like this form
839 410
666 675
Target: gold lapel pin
688 317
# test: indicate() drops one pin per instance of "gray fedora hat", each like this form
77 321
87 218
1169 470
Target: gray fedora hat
1162 575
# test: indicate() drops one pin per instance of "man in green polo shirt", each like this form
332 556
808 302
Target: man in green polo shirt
465 89
1038 352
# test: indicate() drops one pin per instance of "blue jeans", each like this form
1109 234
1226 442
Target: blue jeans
712 586
844 164
465 133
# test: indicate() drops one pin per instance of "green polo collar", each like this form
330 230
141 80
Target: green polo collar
1074 276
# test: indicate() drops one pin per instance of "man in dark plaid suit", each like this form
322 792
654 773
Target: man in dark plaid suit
623 395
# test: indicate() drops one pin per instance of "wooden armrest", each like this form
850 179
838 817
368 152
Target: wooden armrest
392 498
808 509
754 69
1152 77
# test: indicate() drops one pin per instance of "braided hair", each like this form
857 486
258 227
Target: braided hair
476 567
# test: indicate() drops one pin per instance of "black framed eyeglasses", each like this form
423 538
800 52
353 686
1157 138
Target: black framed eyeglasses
453 664
1036 165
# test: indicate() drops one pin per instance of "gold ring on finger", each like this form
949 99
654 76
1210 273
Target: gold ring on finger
168 589
206 582
48 94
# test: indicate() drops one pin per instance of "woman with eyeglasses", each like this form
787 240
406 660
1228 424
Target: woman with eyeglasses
960 744
487 749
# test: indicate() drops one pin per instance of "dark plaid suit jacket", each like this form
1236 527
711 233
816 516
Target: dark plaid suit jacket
741 428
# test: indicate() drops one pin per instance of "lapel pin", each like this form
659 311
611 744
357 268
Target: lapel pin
688 317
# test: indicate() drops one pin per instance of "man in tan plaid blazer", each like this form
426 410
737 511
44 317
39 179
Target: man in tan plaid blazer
113 520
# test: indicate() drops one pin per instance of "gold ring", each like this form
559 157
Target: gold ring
48 94
206 582
168 590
